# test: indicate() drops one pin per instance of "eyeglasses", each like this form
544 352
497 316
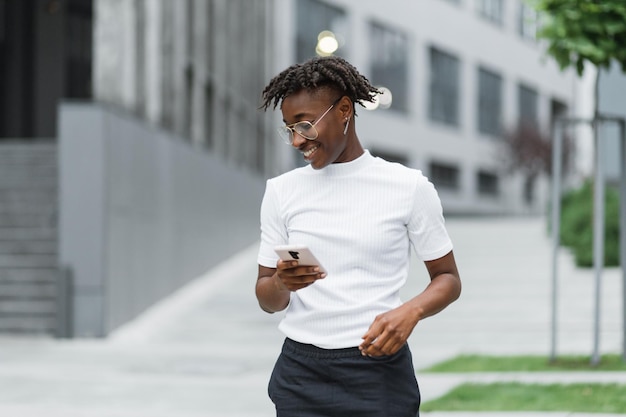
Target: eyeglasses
304 128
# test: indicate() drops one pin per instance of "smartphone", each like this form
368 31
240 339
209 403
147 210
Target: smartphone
300 253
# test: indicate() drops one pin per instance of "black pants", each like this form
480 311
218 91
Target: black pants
308 381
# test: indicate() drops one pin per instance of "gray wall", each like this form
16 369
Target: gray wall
142 213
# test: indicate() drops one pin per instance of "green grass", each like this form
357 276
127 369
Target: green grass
479 363
596 398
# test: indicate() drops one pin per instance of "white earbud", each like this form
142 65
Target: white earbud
345 130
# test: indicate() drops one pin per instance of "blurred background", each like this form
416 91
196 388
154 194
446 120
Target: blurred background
133 154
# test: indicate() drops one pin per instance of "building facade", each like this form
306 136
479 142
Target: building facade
193 67
462 75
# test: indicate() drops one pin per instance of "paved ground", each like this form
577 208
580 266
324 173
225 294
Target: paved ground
208 350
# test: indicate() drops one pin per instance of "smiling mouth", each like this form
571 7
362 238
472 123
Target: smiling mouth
307 154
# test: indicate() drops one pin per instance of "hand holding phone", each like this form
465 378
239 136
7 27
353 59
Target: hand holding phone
299 253
306 272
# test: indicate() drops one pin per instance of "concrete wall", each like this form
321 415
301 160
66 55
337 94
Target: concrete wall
142 213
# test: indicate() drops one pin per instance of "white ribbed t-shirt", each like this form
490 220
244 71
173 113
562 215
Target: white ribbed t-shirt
359 218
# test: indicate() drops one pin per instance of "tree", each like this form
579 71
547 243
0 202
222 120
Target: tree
594 31
530 152
583 30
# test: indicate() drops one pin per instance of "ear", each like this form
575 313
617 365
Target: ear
345 106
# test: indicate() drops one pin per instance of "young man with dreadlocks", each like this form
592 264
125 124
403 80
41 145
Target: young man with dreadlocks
346 352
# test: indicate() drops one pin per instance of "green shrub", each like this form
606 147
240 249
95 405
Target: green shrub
577 225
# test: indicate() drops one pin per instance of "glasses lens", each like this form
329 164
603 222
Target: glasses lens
285 134
306 130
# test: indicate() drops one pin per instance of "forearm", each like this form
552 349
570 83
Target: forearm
271 295
441 292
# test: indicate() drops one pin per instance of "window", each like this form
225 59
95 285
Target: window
2 21
314 17
444 176
489 102
491 9
488 184
389 65
444 87
78 49
557 109
390 156
528 114
527 21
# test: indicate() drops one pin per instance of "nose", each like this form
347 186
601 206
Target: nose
298 140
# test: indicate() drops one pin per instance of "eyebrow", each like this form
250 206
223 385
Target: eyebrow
300 117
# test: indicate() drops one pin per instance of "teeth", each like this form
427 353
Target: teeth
308 152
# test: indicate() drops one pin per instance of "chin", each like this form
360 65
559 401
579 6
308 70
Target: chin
317 167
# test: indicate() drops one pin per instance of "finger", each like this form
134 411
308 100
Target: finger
286 264
372 350
389 347
306 270
368 339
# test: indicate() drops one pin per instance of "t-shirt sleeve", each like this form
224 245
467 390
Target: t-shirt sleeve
273 229
426 226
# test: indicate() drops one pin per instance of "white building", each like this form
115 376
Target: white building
461 73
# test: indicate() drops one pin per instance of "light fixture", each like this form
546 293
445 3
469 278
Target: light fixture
327 43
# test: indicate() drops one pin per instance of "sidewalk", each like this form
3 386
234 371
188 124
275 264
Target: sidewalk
208 350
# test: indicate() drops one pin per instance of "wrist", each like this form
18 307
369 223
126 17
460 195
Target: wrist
278 283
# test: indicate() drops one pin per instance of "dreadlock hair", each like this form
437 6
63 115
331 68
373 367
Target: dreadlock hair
320 72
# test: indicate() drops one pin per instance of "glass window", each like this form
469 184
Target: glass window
557 109
444 87
390 156
78 50
444 176
313 18
491 9
489 102
389 63
527 21
488 183
2 19
528 114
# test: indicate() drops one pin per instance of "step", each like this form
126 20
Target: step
29 247
13 172
35 178
29 275
28 233
27 307
28 290
27 324
28 261
28 195
28 150
46 217
16 208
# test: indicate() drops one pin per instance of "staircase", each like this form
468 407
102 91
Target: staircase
29 272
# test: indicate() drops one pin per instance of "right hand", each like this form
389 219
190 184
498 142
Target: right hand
293 277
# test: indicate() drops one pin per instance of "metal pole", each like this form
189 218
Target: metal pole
622 126
598 238
556 223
